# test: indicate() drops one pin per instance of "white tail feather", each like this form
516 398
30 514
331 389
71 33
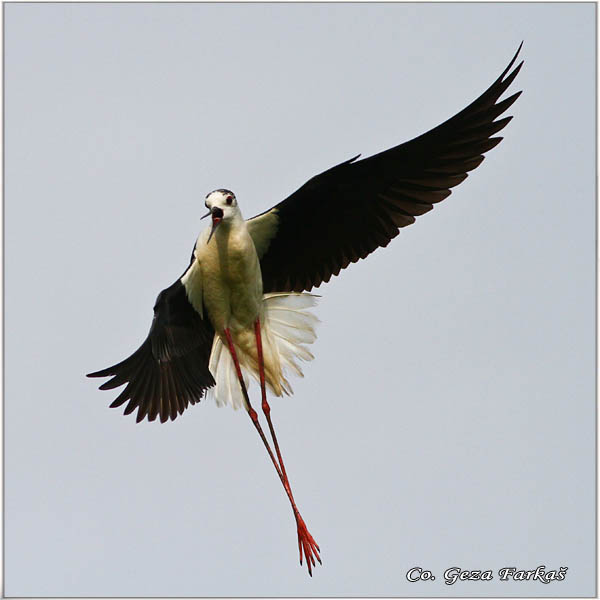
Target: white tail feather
286 326
291 300
227 389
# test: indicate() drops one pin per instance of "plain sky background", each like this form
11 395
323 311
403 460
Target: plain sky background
448 419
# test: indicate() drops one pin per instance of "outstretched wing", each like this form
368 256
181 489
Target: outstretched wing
354 208
169 370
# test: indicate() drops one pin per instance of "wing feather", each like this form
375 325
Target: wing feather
300 246
169 370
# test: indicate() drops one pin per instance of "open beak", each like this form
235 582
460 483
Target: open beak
217 217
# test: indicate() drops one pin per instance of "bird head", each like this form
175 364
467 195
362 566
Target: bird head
222 207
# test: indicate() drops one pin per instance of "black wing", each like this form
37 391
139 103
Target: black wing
372 198
169 370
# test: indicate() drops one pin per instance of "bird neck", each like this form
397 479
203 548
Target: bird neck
227 227
235 221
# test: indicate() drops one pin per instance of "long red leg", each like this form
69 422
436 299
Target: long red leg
306 543
251 411
265 405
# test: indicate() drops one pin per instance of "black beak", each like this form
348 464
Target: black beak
217 217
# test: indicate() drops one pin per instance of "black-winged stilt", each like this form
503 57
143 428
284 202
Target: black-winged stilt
241 307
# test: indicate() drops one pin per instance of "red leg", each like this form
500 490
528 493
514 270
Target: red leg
305 540
265 405
251 411
306 543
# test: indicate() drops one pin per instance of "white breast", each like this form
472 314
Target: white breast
230 280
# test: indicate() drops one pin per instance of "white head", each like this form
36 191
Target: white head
222 207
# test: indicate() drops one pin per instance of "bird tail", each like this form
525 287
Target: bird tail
287 326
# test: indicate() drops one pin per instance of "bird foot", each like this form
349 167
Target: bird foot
307 545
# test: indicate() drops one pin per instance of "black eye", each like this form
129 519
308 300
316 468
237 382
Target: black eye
229 200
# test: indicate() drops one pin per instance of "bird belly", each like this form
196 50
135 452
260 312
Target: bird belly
287 326
232 283
233 298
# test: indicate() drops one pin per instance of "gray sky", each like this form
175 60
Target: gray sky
448 419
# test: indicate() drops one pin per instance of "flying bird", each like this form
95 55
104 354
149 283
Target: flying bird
242 307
